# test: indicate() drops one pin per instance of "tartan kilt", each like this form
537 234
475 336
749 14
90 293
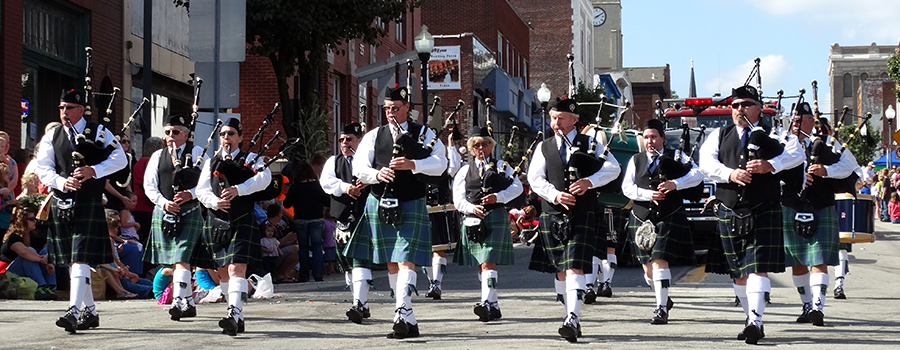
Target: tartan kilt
575 253
823 248
497 246
167 251
673 240
409 240
761 250
244 247
602 238
85 240
347 264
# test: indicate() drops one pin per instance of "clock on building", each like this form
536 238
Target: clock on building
599 17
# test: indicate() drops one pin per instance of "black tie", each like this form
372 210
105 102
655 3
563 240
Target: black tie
71 132
562 151
654 162
745 137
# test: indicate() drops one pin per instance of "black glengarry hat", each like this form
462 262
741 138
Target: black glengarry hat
564 105
655 124
746 91
803 109
236 124
74 96
478 131
396 94
176 120
353 128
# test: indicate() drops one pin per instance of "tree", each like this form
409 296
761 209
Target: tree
863 148
587 114
296 35
893 70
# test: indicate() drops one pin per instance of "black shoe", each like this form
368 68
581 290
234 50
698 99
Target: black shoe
87 320
400 329
240 328
752 334
189 311
590 297
45 292
839 293
412 331
762 333
68 321
804 316
817 318
660 316
483 311
229 326
357 313
571 328
605 290
434 292
495 312
175 312
670 304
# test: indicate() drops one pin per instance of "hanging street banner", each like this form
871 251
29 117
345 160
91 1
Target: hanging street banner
443 68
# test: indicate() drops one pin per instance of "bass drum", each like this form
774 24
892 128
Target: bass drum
856 218
445 227
623 146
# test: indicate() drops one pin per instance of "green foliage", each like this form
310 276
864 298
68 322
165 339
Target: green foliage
863 151
893 70
313 131
587 114
674 94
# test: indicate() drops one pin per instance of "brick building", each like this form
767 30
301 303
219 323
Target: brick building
43 53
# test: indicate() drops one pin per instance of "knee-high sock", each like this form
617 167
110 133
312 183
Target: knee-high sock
609 267
741 293
236 287
757 287
842 269
392 280
406 282
79 280
661 278
223 286
181 280
818 282
438 265
802 284
591 278
575 287
648 280
560 287
348 278
361 277
489 286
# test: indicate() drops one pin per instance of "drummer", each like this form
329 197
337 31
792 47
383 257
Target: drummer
495 247
444 222
820 250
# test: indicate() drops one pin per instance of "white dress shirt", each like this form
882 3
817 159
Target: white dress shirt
459 188
256 183
454 161
631 190
46 158
714 169
151 176
537 170
432 165
329 180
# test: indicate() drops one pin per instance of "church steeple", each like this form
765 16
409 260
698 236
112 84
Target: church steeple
692 92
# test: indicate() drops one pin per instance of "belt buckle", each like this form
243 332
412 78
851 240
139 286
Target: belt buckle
804 217
389 203
66 204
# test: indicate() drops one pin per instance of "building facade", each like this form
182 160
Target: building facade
607 22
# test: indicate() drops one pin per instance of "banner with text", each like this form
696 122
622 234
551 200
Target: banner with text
443 68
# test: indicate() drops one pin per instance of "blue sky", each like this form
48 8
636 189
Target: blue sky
723 37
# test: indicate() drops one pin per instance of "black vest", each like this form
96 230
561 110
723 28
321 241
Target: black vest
239 205
762 188
647 180
166 173
62 151
817 196
473 186
406 185
344 206
556 175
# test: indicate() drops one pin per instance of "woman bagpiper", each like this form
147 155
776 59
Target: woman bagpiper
487 242
232 233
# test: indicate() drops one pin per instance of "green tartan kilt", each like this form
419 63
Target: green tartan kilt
823 248
559 256
497 246
244 247
407 241
673 240
169 250
347 264
84 240
761 250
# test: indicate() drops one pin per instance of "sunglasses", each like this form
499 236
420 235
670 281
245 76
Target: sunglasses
32 219
392 108
743 104
67 107
342 139
127 141
229 133
481 145
172 132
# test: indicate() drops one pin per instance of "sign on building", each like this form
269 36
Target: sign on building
443 68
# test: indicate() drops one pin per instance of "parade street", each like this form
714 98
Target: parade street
311 315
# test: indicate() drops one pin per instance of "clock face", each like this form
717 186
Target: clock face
599 16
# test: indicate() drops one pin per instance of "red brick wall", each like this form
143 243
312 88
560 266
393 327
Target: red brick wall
258 93
551 40
11 11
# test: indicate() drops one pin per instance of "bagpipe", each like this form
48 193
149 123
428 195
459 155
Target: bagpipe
187 172
492 179
414 146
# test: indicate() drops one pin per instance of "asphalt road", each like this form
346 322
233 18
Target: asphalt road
311 315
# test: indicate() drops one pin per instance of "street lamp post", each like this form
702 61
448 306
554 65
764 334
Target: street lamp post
543 95
424 43
890 113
